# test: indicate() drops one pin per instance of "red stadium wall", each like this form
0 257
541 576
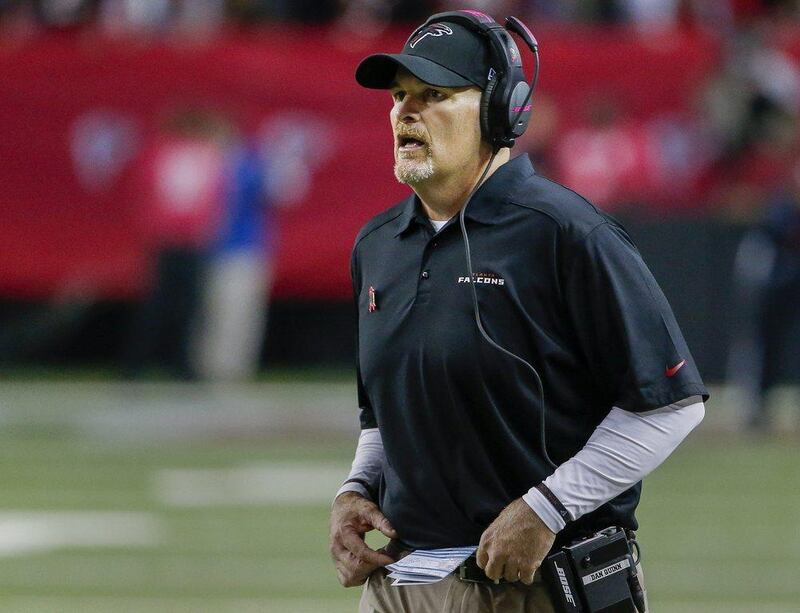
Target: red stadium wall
75 113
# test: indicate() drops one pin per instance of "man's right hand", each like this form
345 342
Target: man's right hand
351 517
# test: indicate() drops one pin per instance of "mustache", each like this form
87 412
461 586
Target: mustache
403 131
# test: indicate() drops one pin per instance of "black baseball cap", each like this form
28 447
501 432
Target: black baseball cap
445 54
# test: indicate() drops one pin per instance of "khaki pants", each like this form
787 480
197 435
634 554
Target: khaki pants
450 595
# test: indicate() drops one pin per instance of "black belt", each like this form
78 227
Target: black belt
470 572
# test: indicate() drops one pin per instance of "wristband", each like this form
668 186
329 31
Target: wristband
551 498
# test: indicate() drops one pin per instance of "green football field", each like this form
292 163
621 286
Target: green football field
180 498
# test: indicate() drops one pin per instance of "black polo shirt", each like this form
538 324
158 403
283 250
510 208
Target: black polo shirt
559 284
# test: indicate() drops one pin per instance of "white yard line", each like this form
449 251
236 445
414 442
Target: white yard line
142 412
256 484
24 532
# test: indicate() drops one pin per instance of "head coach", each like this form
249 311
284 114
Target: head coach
519 369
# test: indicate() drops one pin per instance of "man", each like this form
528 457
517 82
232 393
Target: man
452 450
182 183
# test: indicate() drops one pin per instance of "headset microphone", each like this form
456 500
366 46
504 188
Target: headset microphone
515 25
518 103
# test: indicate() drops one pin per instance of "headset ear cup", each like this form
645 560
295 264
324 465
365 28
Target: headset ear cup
518 115
487 125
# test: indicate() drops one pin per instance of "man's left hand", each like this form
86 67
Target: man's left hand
515 544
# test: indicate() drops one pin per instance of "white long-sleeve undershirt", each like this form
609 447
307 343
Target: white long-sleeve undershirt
624 448
367 463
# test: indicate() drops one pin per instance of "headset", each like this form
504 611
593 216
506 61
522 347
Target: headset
506 101
505 111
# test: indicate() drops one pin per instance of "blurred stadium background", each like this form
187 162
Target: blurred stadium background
172 169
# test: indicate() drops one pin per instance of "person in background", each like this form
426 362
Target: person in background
239 273
181 190
765 350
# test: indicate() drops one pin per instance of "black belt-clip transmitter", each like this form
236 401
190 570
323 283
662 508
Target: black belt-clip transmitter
595 575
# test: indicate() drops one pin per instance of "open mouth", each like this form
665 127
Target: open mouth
409 143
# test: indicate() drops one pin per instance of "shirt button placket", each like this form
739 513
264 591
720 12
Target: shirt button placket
424 282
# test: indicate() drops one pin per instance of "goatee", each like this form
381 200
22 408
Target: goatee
411 171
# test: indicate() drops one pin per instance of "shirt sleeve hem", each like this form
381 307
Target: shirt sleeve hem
367 420
648 400
353 487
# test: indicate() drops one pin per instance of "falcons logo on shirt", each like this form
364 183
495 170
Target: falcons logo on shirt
435 29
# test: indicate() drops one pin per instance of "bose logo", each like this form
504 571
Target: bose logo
562 577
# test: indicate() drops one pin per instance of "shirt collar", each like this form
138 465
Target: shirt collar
483 206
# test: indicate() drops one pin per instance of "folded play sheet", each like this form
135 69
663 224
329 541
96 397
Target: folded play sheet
428 566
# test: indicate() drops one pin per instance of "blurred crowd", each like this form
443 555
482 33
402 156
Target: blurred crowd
208 16
729 152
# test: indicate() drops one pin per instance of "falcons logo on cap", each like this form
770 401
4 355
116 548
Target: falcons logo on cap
435 29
